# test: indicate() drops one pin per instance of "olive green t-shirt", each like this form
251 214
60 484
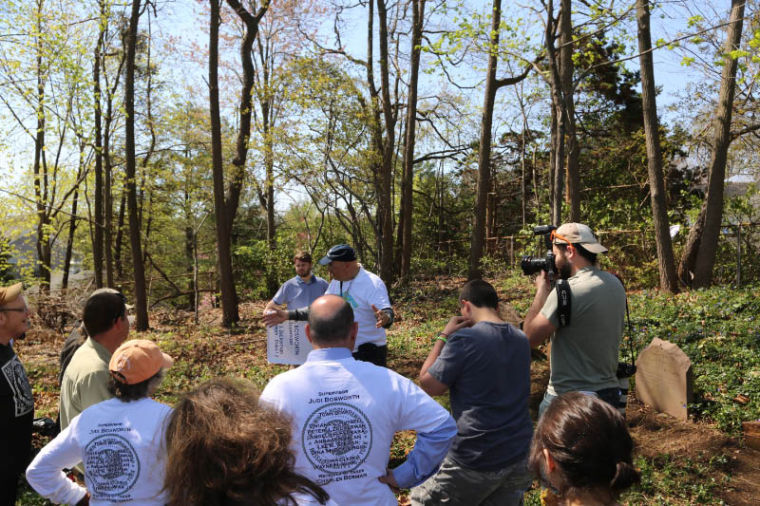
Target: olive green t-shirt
85 381
584 354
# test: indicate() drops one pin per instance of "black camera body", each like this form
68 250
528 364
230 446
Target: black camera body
625 370
531 265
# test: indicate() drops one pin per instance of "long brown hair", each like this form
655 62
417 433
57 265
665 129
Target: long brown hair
225 448
589 441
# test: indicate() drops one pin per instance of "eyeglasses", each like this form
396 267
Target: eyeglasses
554 236
18 309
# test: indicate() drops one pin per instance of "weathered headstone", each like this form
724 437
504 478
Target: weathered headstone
664 378
752 434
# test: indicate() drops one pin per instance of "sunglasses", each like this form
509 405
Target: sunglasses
18 309
554 236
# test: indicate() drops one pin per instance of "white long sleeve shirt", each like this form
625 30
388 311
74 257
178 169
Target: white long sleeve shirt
345 414
122 447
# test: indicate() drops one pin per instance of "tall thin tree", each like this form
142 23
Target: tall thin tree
698 257
99 227
665 259
477 243
225 205
558 117
384 179
567 110
223 241
141 302
407 181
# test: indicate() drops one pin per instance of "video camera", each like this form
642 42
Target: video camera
531 265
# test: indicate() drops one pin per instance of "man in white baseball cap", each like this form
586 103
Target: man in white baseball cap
585 350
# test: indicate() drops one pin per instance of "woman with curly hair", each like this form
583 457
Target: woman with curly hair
225 449
582 450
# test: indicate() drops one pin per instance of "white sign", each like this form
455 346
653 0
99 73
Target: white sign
287 343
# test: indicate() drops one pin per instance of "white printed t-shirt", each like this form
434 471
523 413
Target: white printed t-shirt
345 414
304 499
362 292
122 447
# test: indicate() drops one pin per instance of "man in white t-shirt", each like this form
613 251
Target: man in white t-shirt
367 295
120 440
345 413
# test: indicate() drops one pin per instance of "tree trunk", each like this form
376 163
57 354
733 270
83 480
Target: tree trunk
407 182
40 167
223 229
559 117
141 303
266 98
702 244
190 266
553 165
484 152
568 110
385 178
118 264
112 248
266 110
225 206
477 242
98 240
377 137
145 165
189 241
665 259
72 221
523 165
112 255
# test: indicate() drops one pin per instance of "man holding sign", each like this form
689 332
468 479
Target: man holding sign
299 291
367 295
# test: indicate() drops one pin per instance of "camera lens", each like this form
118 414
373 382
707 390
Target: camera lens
531 265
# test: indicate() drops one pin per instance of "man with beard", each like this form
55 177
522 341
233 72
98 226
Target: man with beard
584 353
16 401
367 295
302 289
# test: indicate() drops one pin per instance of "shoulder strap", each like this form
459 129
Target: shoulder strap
631 351
563 302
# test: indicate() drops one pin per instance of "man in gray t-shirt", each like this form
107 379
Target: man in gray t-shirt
484 364
584 354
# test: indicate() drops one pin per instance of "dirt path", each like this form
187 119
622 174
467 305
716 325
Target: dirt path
696 446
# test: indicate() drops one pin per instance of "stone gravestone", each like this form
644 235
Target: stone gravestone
664 378
752 434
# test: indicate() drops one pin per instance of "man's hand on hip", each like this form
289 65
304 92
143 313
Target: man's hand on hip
390 480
